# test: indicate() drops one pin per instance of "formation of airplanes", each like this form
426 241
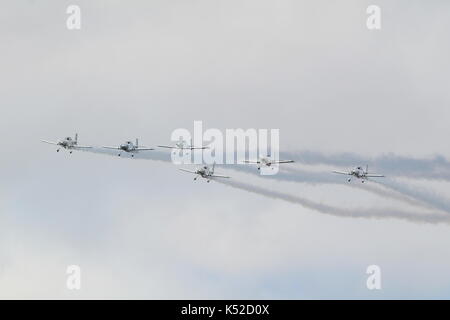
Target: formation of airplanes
205 171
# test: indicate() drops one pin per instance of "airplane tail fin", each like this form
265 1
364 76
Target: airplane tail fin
76 137
137 143
214 164
367 168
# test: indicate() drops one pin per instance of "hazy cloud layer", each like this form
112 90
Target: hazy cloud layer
340 94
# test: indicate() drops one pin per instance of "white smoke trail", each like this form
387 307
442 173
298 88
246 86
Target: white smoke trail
436 167
420 194
418 199
398 191
389 189
395 190
154 155
431 218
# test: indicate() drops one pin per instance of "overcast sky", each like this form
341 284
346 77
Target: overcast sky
142 229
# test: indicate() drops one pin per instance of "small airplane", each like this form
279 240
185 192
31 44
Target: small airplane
182 145
267 161
129 147
68 143
360 173
205 172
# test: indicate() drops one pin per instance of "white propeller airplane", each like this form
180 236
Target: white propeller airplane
267 161
360 173
183 145
68 143
205 172
129 147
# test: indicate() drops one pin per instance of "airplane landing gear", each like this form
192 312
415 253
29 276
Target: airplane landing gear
349 180
70 152
57 150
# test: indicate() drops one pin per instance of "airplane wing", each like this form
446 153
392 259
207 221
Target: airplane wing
374 175
49 142
218 176
187 148
185 170
194 148
283 161
340 172
144 149
82 147
115 148
249 161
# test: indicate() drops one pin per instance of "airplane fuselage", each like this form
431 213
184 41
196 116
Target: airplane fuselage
359 173
67 143
127 147
181 145
204 172
266 162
